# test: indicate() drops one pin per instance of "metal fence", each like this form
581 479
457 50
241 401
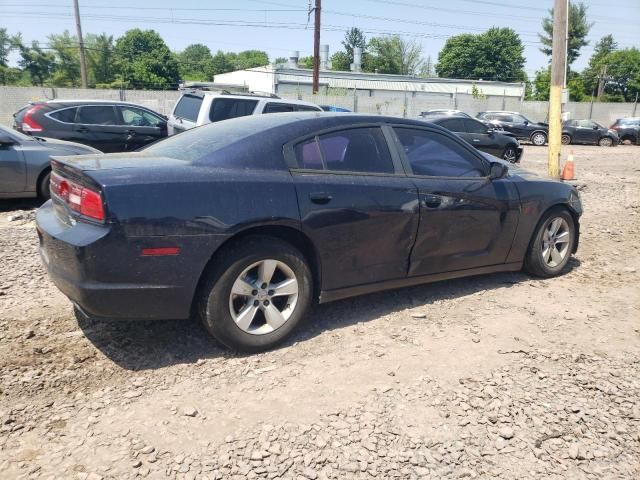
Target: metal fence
389 103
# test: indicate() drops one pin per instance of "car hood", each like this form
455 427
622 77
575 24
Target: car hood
62 145
112 161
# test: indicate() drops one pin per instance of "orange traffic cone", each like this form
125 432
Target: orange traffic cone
568 170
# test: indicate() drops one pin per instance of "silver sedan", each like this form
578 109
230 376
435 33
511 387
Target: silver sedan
24 162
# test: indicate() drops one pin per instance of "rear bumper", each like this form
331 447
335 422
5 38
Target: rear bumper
104 275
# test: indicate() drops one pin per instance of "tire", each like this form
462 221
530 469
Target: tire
248 321
538 138
43 187
539 260
566 139
606 142
510 154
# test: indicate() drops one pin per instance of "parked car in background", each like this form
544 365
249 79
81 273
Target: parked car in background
517 124
443 111
199 107
481 136
24 162
333 108
628 129
107 125
588 132
246 222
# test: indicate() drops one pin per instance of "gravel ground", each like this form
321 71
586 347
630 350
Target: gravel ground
502 376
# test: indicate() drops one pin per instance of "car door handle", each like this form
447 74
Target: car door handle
320 198
432 201
476 140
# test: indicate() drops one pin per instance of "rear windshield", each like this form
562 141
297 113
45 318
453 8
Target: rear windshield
188 107
226 108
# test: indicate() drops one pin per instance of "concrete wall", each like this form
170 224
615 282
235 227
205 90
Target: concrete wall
386 103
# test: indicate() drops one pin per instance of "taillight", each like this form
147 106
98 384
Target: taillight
79 198
29 124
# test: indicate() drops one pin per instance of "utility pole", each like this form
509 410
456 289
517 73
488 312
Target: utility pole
83 62
558 72
316 49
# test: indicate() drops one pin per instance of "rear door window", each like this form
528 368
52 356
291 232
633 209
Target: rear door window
97 115
138 118
226 108
188 107
273 107
362 150
66 115
454 124
473 126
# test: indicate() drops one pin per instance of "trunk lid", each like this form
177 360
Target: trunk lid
92 162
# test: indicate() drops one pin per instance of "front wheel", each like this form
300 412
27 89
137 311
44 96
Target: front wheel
539 139
605 142
552 244
566 139
255 297
44 191
510 154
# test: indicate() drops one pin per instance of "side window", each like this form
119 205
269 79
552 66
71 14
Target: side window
473 126
453 124
307 108
67 115
188 107
97 115
355 150
138 118
435 155
273 107
519 119
505 118
226 108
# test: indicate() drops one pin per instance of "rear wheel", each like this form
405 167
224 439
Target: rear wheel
510 154
257 295
566 139
539 138
605 142
43 187
552 244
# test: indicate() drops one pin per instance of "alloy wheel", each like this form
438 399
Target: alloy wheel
605 142
566 139
539 139
510 155
263 297
556 239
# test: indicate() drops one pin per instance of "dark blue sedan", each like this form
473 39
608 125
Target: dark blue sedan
245 223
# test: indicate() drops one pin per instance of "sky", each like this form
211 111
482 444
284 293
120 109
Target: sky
280 26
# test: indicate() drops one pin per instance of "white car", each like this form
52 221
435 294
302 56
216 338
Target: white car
196 107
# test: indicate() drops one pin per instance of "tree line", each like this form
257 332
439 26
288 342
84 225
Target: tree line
141 59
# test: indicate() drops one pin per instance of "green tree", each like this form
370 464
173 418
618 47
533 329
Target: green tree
100 59
280 60
306 62
340 62
143 60
196 63
394 55
542 84
251 58
591 74
623 74
354 38
578 30
223 62
497 54
67 68
7 43
38 63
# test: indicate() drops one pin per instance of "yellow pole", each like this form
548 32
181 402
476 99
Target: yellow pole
558 73
555 130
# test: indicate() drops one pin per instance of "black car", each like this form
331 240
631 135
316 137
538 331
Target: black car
588 132
244 223
519 125
628 129
105 125
480 136
439 112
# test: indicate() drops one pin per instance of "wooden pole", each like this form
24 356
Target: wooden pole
316 49
558 71
83 62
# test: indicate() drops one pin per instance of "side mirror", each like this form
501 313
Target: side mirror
490 132
595 127
498 170
526 122
6 139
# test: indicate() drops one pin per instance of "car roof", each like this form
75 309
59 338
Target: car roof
246 96
90 101
500 111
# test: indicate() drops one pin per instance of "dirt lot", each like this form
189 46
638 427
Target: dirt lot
502 376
